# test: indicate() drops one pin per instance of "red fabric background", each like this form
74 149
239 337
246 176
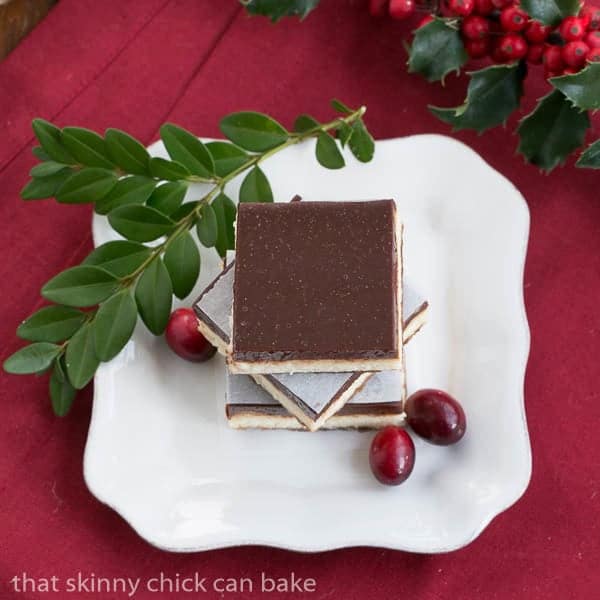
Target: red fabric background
134 65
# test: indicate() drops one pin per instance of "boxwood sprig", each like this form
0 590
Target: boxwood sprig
96 304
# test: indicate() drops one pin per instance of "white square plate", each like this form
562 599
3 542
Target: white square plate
159 449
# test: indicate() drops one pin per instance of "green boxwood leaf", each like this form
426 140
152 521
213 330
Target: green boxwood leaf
47 168
253 131
182 260
225 211
344 133
583 88
81 360
275 9
304 123
121 257
129 190
45 187
552 131
80 286
361 143
126 152
188 150
34 358
167 198
227 157
139 223
114 324
167 169
51 324
256 187
437 49
184 210
340 107
327 152
88 185
50 139
207 228
590 158
550 12
40 153
87 147
154 296
62 393
493 94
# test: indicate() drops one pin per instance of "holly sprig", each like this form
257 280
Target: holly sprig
95 305
276 9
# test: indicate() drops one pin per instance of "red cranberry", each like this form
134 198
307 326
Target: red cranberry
484 7
591 17
402 9
477 48
553 61
378 8
571 29
536 32
593 55
535 54
574 53
436 416
461 8
502 3
592 39
184 338
475 27
513 18
512 46
392 455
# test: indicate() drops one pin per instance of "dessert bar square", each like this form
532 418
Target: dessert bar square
310 397
317 288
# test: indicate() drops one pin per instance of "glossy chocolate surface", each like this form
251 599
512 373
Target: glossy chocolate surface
316 281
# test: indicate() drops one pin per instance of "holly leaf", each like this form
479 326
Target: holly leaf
154 296
327 152
276 9
583 88
225 211
256 187
114 324
436 51
493 94
81 360
552 131
590 158
182 260
253 131
550 12
120 258
51 324
34 358
188 150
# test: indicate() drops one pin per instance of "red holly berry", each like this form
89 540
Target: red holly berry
574 53
484 7
512 46
513 18
591 17
477 48
378 8
536 32
461 8
535 53
401 9
553 59
571 29
502 3
592 39
569 71
425 20
593 55
475 27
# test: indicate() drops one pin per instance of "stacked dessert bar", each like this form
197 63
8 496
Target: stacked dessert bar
312 316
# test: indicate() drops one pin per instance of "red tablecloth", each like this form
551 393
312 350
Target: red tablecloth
134 65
